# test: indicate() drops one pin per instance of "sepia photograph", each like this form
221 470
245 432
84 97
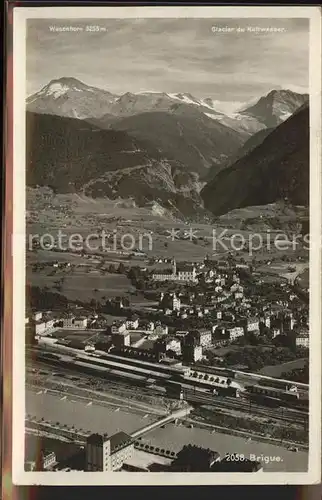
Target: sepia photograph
167 222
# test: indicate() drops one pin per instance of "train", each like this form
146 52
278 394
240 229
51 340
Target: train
272 392
177 387
273 397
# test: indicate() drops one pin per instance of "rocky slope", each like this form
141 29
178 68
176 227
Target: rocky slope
70 155
184 135
277 168
276 107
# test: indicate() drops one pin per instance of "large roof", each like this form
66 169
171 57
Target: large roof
119 441
185 268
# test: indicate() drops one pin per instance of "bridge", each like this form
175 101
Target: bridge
182 413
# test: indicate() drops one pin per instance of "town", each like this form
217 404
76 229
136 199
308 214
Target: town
215 355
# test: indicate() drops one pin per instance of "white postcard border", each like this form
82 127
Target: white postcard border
21 477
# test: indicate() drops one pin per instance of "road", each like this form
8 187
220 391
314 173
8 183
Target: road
299 268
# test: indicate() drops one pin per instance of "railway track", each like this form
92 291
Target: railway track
237 405
192 396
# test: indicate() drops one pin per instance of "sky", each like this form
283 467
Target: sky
172 55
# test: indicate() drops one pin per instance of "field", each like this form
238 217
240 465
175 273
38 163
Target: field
81 283
75 214
277 370
88 276
304 279
77 335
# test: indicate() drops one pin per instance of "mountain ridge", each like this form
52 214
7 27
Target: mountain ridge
73 156
275 169
68 96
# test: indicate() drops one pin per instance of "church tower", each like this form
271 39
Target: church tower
174 267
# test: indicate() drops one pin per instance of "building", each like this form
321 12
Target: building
48 459
52 454
42 460
288 322
147 326
161 329
204 337
121 339
234 332
132 323
194 459
236 287
265 319
80 322
302 340
186 272
50 322
68 321
107 454
182 272
150 326
250 324
276 331
164 275
37 316
168 344
170 301
201 337
145 353
242 266
191 353
118 327
220 336
40 327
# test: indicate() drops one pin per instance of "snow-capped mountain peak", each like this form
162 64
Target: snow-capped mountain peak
186 98
58 88
55 89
